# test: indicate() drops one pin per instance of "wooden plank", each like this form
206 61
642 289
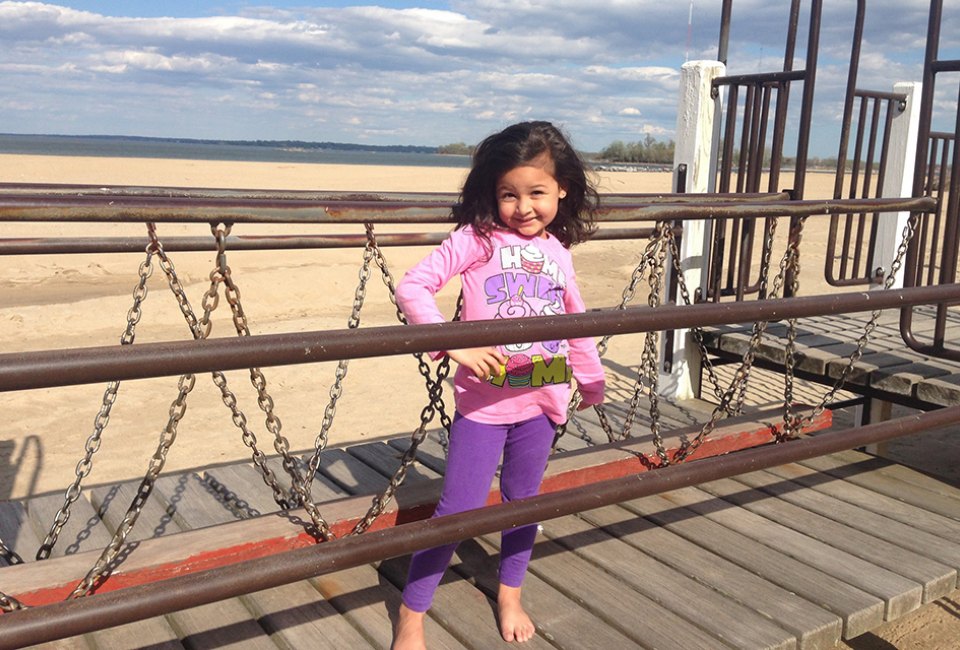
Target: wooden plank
297 615
429 452
83 531
914 554
903 380
356 479
725 619
944 389
859 611
900 472
175 502
17 532
862 372
899 594
242 486
370 602
865 499
813 626
864 473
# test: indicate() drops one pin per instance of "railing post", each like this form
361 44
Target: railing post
698 137
897 182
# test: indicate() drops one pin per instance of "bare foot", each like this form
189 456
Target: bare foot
515 625
408 634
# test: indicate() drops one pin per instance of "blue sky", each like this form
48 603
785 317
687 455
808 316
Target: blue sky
414 72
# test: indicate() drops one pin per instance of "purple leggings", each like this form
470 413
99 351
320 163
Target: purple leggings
471 464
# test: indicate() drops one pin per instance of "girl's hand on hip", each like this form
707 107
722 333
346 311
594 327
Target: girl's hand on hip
484 363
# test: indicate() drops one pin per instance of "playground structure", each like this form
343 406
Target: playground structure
699 254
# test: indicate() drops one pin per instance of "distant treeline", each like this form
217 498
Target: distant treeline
273 144
649 150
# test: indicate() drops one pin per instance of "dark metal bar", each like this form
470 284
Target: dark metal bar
724 39
82 615
759 78
43 369
82 245
12 209
38 191
946 66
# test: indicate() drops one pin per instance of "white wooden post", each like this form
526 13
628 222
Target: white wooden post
698 136
897 181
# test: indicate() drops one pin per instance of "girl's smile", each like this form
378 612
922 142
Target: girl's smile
528 197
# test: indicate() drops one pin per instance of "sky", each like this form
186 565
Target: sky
418 72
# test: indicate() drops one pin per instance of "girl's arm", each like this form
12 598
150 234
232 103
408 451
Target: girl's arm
584 358
417 290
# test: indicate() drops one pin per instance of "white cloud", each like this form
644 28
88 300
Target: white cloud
604 68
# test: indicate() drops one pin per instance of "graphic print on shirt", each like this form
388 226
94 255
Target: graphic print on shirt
529 284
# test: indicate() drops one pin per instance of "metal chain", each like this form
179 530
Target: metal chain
300 490
649 359
200 329
791 422
9 603
167 437
381 501
697 331
627 296
909 230
434 406
742 373
92 445
257 379
336 390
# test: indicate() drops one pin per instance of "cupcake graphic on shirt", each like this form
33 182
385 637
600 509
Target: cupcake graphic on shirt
519 370
531 259
515 307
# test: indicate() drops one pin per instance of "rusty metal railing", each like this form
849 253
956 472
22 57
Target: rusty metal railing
932 257
747 120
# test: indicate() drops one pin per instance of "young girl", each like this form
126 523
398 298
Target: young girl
524 203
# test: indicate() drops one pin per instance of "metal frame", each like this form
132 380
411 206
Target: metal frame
732 249
939 240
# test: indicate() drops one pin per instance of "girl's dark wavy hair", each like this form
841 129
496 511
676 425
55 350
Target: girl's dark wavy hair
518 145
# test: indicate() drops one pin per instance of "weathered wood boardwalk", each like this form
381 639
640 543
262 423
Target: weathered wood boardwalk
888 369
799 556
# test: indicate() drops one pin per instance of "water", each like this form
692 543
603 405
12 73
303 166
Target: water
121 147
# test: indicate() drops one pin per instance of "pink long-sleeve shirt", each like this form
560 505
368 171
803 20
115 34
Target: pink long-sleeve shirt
522 277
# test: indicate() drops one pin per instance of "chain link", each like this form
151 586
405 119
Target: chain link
168 436
798 422
434 406
92 445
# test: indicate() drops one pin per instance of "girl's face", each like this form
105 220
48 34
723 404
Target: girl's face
528 197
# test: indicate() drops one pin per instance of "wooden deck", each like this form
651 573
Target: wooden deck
888 369
796 557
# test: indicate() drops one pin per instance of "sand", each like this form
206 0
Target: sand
55 302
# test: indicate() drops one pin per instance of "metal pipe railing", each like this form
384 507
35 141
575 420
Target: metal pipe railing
47 368
82 615
86 245
176 210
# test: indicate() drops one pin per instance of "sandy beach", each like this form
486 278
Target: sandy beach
54 302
